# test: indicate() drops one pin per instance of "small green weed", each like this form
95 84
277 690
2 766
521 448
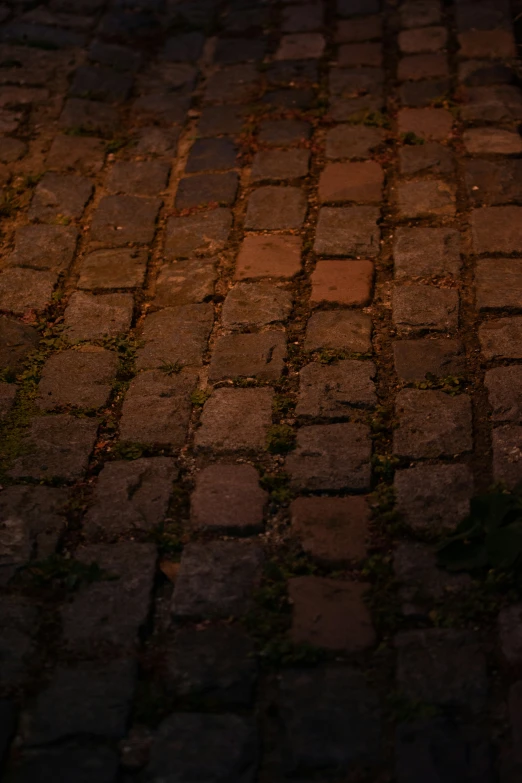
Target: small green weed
411 138
281 439
199 397
171 368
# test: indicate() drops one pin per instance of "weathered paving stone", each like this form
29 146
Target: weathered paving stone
211 155
100 83
32 519
161 107
175 334
342 330
12 150
25 290
440 749
432 424
228 498
422 66
474 73
427 123
280 164
205 232
487 43
423 93
433 498
119 24
479 141
417 199
34 34
217 579
233 84
20 620
416 359
365 29
346 282
443 667
347 231
152 140
330 613
7 397
156 409
215 663
352 109
300 46
331 391
427 39
417 308
421 583
90 699
56 447
497 104
202 189
120 220
111 611
259 355
352 141
76 153
89 317
426 252
492 183
60 195
235 419
130 497
230 743
239 50
431 157
302 18
185 282
121 58
274 207
271 255
333 531
71 761
503 385
501 338
331 457
90 116
288 99
510 634
217 120
282 133
255 304
82 378
357 7
498 283
360 182
106 269
339 701
17 340
44 247
186 47
415 13
507 454
355 54
347 82
138 178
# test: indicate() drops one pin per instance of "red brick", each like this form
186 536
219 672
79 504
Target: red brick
480 44
424 39
356 54
273 255
415 67
352 141
334 531
420 13
426 123
365 29
347 282
480 141
275 208
330 613
499 283
361 182
300 46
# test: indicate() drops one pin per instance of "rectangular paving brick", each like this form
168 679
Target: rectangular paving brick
345 282
416 359
344 330
352 141
184 282
501 338
258 355
497 230
360 182
426 252
332 391
417 199
331 457
348 231
138 178
334 531
423 307
60 195
235 419
228 498
204 232
280 164
120 220
432 424
44 247
104 269
204 189
275 208
156 409
265 255
23 291
433 498
498 283
492 183
80 378
175 335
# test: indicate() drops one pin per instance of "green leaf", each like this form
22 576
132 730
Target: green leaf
492 510
504 546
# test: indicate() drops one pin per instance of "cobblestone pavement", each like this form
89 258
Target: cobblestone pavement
261 285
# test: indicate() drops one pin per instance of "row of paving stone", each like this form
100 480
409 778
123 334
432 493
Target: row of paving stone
146 238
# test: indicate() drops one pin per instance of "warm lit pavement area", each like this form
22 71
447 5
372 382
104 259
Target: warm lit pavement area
261 277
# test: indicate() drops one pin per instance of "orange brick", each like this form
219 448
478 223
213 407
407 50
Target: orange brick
268 256
347 282
360 182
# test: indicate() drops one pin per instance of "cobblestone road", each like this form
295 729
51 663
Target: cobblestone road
261 286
